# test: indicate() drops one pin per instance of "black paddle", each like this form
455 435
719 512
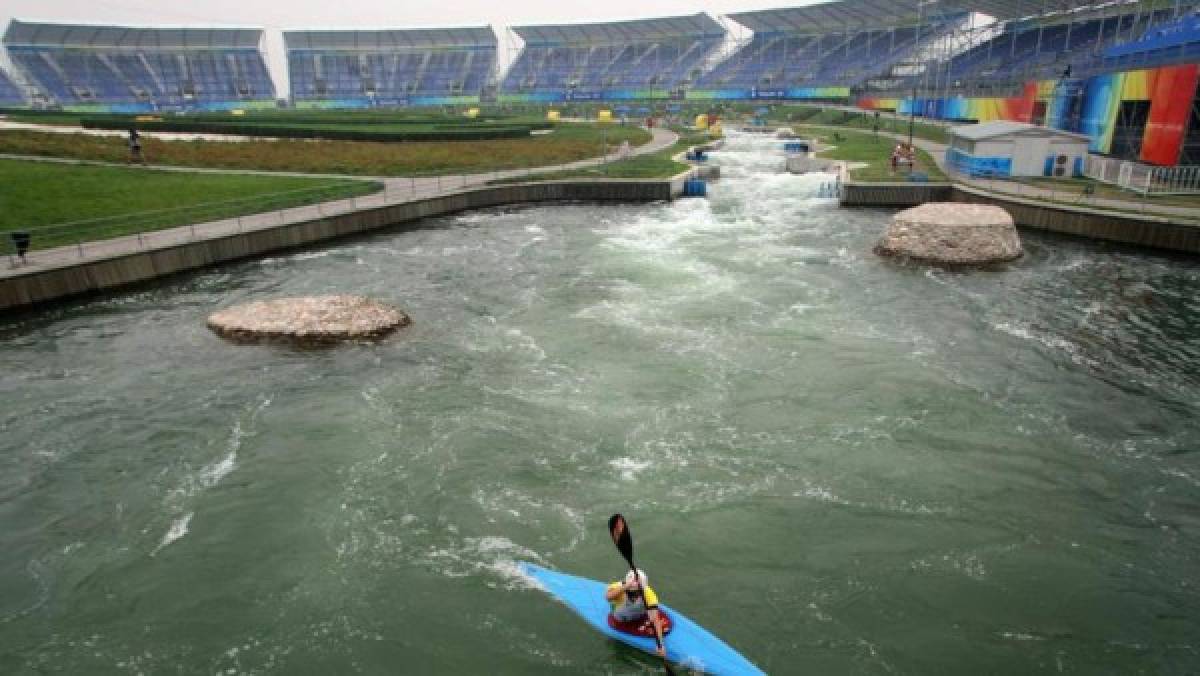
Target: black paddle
619 530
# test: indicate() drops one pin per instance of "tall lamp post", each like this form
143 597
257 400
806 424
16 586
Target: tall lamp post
912 106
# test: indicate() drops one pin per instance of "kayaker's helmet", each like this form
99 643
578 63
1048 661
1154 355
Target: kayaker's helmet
643 581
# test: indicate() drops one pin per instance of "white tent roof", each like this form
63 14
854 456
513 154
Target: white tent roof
694 26
29 34
384 40
997 128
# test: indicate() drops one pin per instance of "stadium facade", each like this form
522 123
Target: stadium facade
128 69
645 59
363 69
1123 72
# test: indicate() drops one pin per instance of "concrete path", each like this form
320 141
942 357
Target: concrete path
396 190
938 152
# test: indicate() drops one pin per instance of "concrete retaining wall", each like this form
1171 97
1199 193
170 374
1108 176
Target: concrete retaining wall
894 194
40 286
1141 230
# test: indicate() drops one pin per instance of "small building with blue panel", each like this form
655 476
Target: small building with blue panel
1003 149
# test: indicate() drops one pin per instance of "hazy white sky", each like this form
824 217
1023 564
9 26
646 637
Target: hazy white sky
286 14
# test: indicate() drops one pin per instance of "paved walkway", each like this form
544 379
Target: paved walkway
395 191
1015 188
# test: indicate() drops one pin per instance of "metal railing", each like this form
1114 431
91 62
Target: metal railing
1143 178
62 243
162 227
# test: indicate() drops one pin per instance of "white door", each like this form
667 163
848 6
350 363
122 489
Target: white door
1029 158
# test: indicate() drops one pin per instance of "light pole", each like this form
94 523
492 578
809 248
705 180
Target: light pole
604 145
912 106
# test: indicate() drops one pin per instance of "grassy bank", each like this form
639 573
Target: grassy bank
859 120
346 125
1073 189
566 143
651 165
64 203
866 147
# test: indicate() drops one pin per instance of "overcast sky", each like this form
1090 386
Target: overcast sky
286 14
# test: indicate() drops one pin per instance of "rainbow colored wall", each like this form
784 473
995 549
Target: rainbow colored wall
982 109
1170 90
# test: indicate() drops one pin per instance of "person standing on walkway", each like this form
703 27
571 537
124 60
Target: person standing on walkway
20 242
135 146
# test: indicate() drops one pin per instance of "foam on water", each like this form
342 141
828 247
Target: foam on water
178 529
860 440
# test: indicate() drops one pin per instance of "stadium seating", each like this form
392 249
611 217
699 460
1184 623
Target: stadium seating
1172 41
773 59
10 95
586 59
1027 50
390 67
141 68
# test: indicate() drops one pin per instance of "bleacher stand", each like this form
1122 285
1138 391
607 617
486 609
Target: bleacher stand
647 58
1088 40
1173 41
124 68
824 45
390 67
10 94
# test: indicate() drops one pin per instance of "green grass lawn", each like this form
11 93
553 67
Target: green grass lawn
1072 188
856 146
862 120
64 203
567 142
651 165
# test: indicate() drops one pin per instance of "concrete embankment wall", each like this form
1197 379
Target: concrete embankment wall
1126 228
894 194
40 286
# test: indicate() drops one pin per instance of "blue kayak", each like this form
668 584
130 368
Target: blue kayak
688 643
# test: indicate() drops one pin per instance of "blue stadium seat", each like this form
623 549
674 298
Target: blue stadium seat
647 58
393 67
141 68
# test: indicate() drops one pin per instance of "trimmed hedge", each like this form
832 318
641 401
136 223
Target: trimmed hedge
332 133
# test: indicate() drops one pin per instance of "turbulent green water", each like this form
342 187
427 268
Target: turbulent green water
836 463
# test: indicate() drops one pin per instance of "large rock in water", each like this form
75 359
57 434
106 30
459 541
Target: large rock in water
308 321
952 233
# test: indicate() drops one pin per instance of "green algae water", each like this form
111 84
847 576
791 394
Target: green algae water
837 464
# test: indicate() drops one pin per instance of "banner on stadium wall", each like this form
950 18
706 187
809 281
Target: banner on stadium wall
139 108
386 102
982 109
584 96
768 94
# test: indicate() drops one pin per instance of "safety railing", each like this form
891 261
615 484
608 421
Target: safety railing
1144 178
161 227
127 233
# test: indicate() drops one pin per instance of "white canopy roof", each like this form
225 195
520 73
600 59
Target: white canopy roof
695 26
384 40
22 33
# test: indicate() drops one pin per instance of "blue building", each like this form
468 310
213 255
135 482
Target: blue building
1006 149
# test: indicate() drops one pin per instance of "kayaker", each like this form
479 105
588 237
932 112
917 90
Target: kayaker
634 600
